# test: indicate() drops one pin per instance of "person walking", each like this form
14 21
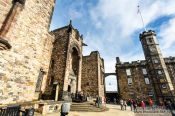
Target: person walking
121 104
143 105
115 101
124 104
151 103
135 105
131 104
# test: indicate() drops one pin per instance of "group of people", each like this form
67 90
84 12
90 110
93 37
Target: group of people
134 104
123 104
150 103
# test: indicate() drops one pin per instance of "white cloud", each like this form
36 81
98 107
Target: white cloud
74 14
119 21
167 33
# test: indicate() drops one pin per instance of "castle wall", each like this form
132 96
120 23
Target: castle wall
139 89
21 66
93 75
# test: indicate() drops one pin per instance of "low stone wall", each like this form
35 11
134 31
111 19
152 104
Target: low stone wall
46 107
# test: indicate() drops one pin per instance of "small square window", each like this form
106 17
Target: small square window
128 72
150 93
129 81
159 72
147 81
150 40
156 61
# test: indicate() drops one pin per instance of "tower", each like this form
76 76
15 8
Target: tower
160 78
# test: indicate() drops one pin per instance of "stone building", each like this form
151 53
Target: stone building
153 77
93 75
36 63
64 77
25 48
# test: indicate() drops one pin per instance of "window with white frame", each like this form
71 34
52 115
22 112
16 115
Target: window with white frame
144 71
129 81
150 93
159 72
147 81
156 61
128 72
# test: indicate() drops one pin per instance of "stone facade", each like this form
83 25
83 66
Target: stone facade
24 26
153 77
133 85
93 75
66 63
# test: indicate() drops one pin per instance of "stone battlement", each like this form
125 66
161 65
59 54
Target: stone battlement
143 62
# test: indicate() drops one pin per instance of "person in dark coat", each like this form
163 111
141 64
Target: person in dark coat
135 105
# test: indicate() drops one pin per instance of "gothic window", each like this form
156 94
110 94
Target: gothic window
128 72
147 81
144 71
129 81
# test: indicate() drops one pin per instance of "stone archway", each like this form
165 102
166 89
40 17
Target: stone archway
73 71
111 93
111 74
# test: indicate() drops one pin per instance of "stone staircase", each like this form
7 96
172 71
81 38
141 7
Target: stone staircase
86 107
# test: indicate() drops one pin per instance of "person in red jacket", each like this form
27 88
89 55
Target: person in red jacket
143 105
151 103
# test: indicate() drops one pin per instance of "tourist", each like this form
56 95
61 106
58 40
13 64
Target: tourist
115 101
130 102
151 103
135 105
121 104
98 101
143 105
124 104
169 105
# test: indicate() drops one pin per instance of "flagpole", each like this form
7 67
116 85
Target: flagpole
141 17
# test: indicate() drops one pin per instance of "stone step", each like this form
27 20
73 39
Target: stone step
86 107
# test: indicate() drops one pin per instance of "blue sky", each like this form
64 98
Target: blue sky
112 27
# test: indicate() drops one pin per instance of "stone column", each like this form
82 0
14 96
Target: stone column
57 90
79 74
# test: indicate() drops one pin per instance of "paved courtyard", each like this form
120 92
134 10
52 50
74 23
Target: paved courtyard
114 110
